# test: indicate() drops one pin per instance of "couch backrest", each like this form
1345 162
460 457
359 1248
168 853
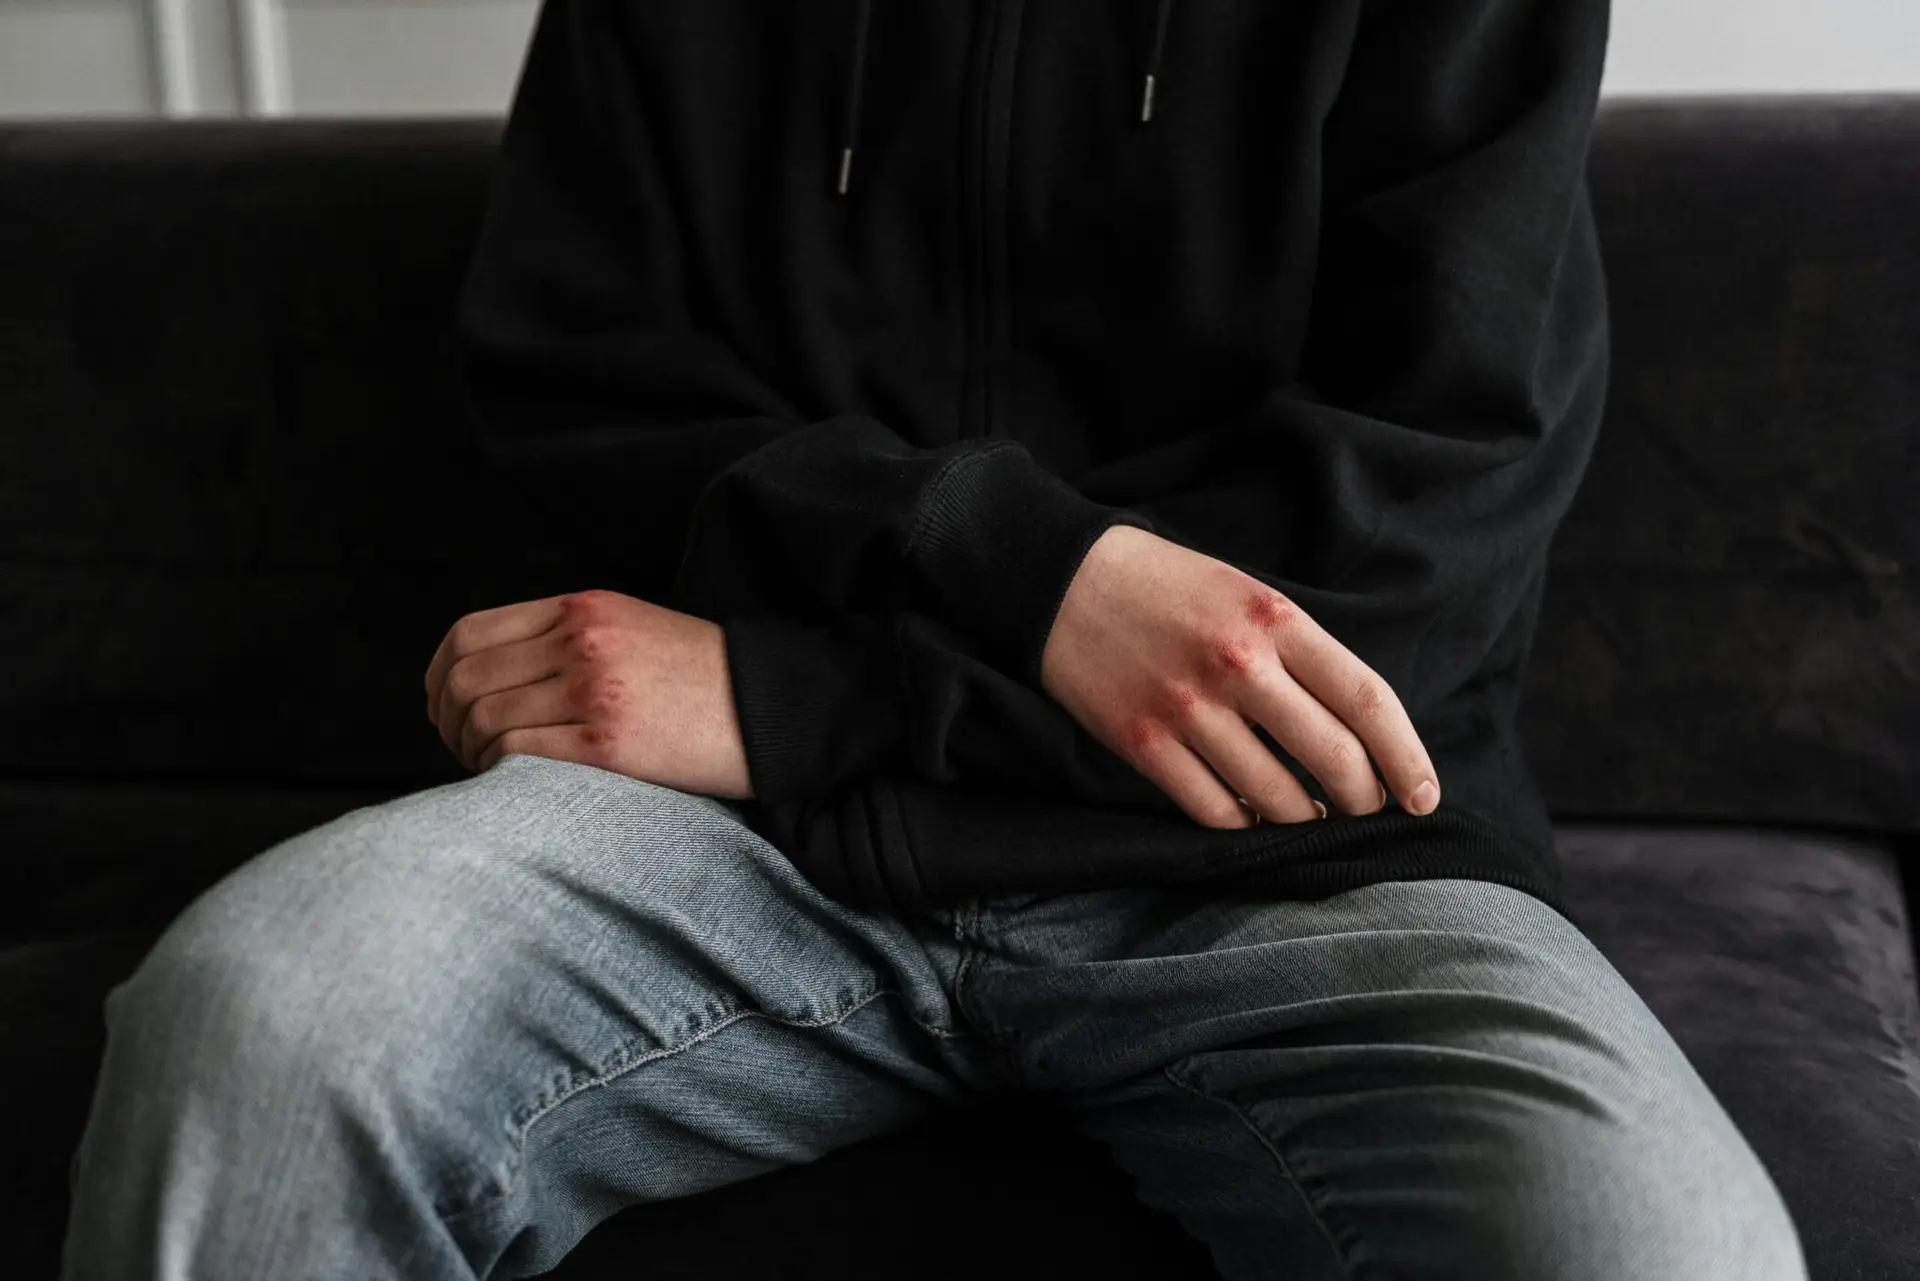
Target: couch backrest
1732 626
238 502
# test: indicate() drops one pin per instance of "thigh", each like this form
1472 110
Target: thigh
512 1004
1436 1079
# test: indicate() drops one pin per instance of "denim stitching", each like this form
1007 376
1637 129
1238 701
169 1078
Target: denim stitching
623 1064
1286 1171
970 928
967 929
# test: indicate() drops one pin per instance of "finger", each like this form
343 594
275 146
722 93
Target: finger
580 743
490 671
522 707
484 630
1246 765
1316 738
1181 774
1365 704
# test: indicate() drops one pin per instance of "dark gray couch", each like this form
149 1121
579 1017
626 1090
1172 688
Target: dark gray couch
236 504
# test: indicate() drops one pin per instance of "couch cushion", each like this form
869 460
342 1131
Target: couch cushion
50 996
1784 967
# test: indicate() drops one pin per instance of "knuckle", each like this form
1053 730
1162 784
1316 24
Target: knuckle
1231 655
1371 698
1140 736
1271 611
461 635
598 696
463 683
1339 754
513 742
588 643
1225 812
1271 798
596 746
587 605
480 726
1183 704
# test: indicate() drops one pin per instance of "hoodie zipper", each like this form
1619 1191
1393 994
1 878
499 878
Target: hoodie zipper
984 193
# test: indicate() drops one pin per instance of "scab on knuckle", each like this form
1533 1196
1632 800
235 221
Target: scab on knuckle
597 745
1271 611
597 696
1231 655
589 643
583 606
1139 736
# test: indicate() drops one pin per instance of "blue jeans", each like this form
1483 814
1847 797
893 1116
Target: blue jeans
445 1036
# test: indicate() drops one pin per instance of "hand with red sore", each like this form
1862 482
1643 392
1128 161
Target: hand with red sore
1169 657
594 677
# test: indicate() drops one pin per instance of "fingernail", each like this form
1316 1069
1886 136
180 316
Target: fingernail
1322 808
1425 797
1383 795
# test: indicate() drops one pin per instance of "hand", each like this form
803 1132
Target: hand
1164 655
594 677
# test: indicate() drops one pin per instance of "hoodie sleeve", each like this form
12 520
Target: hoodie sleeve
1452 383
1456 354
885 605
592 380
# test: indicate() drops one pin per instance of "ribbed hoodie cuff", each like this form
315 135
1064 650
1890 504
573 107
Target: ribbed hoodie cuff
998 544
816 705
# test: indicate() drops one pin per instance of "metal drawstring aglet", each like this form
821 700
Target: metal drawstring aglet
1146 102
846 168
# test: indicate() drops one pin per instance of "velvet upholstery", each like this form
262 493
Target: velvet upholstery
238 506
1739 566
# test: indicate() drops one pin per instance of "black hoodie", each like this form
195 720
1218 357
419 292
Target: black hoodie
856 324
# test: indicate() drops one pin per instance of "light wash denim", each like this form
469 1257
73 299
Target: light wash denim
445 1036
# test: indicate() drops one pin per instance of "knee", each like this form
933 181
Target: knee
1673 1196
295 975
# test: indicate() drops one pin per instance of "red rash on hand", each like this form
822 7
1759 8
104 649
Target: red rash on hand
1142 733
1269 610
1234 655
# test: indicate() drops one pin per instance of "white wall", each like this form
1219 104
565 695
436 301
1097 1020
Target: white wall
260 57
1764 46
326 57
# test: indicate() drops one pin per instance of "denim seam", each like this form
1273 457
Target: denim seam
970 929
1273 1150
626 1062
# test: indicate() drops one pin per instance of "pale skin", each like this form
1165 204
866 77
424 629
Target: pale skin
1163 654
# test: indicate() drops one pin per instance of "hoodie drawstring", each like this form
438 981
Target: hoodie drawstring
856 81
1154 53
857 77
